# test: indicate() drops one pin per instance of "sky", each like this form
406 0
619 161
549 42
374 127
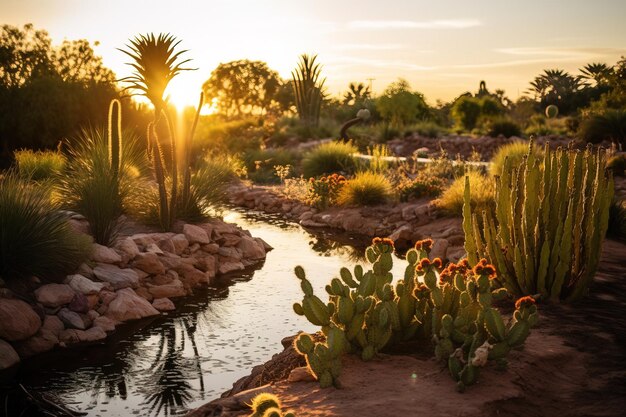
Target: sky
443 48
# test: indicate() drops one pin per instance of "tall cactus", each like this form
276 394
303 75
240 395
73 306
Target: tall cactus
115 137
308 89
550 218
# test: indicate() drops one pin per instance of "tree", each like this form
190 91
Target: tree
243 87
399 106
466 111
560 88
76 61
598 72
356 94
24 54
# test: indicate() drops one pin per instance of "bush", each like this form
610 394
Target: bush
421 186
36 238
366 189
330 158
260 163
426 129
482 194
324 192
39 165
515 152
617 221
465 111
504 127
611 125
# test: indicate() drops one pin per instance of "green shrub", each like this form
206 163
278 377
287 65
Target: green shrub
39 165
35 237
611 125
617 221
420 186
426 129
482 194
399 106
551 215
465 112
365 189
503 126
260 163
329 158
324 192
366 314
515 152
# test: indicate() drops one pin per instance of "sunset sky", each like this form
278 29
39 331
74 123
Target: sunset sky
442 48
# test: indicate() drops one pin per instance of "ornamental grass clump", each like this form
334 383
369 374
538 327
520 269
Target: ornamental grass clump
330 158
366 189
481 194
514 152
36 238
551 215
449 307
39 165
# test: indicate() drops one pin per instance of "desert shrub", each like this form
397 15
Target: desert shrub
482 194
39 165
427 129
260 163
378 161
324 192
329 158
366 189
90 188
617 164
399 106
610 125
617 221
422 185
566 197
515 152
466 111
296 189
228 136
503 126
451 308
36 238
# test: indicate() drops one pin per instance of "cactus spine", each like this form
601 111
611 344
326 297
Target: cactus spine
551 216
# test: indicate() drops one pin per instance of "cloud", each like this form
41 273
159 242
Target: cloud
411 24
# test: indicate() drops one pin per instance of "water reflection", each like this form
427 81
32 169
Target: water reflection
182 360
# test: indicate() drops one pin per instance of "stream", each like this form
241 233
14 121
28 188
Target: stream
179 361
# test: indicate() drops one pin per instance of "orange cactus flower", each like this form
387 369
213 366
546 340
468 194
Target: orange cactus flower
424 244
524 301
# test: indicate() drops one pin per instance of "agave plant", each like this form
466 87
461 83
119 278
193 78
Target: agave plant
308 89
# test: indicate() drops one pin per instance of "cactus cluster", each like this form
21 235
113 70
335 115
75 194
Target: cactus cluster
550 218
268 405
452 307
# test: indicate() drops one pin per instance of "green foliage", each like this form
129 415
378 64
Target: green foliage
308 89
502 126
324 192
36 238
329 158
228 136
39 165
427 129
551 216
552 111
366 189
422 185
260 163
610 125
482 194
399 106
466 111
378 162
617 221
366 314
243 87
515 152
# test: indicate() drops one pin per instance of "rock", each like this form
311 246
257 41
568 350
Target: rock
53 324
403 237
229 266
305 216
163 304
54 295
251 249
85 270
206 263
104 323
144 293
180 243
171 261
105 255
167 246
211 248
454 254
142 239
127 305
312 223
79 303
229 239
149 262
18 321
154 248
83 285
117 277
300 374
72 336
129 247
439 249
194 248
192 276
195 234
229 251
8 355
266 246
175 289
352 222
71 319
44 341
408 213
92 315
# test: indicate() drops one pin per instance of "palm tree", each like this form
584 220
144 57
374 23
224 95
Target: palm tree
356 93
598 72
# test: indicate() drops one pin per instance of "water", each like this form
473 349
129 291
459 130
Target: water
183 360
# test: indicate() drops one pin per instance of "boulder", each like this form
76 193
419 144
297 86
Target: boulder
129 247
229 239
79 303
171 261
18 321
8 355
104 323
71 319
44 341
180 243
192 276
211 248
71 336
227 265
251 249
149 263
54 295
127 305
403 237
154 248
195 234
105 255
439 249
117 277
52 324
83 285
167 246
175 289
163 304
229 251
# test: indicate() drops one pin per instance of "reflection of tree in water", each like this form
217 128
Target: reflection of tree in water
328 247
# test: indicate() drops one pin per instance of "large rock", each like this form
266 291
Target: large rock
174 289
163 304
104 323
229 265
195 234
117 277
84 285
149 262
229 239
250 248
71 319
44 341
71 336
18 321
129 247
105 255
127 305
180 243
79 303
8 355
54 295
439 249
